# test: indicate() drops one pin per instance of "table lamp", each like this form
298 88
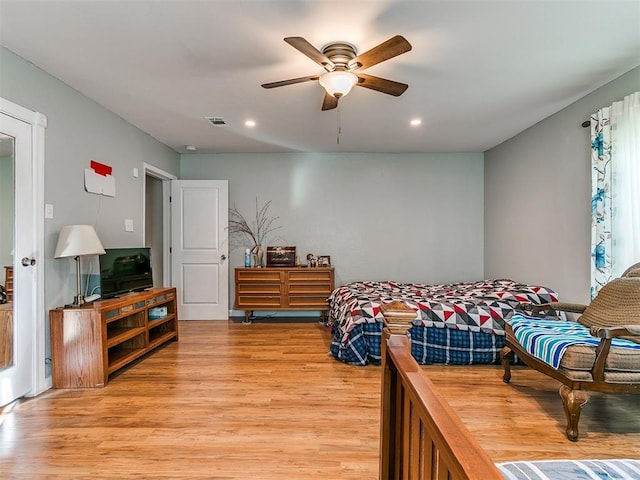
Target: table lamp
76 241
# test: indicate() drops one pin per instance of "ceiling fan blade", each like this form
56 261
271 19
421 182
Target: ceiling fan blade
381 84
329 103
310 51
291 81
391 48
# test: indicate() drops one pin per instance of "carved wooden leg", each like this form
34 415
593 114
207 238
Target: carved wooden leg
506 355
573 401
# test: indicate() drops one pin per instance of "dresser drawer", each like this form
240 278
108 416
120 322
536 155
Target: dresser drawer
307 275
251 288
261 275
256 301
310 302
322 288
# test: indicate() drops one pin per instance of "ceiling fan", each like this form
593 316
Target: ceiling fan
343 66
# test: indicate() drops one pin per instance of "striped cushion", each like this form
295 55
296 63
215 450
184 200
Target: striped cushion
570 346
623 469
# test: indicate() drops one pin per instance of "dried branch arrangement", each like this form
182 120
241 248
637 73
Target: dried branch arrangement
256 232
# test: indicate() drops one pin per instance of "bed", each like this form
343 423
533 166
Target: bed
458 323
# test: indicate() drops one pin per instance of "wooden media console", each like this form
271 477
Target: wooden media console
91 342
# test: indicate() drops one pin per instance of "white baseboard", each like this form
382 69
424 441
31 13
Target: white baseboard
277 313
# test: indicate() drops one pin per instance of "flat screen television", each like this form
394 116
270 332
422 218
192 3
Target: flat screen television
124 270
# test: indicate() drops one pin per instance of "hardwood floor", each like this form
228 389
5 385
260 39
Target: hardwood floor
265 401
524 419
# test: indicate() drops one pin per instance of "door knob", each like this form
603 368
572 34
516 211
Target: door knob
223 257
28 261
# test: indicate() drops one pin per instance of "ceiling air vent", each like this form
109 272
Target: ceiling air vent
216 121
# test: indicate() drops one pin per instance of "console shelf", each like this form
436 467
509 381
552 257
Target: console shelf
119 335
93 341
159 340
159 321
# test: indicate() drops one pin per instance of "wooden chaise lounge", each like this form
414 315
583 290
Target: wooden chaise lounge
613 313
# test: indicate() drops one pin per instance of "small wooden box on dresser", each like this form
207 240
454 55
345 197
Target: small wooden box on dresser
283 288
89 343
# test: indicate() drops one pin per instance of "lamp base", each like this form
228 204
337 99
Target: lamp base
78 301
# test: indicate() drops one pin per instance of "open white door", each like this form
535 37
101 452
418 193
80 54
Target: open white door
20 375
200 248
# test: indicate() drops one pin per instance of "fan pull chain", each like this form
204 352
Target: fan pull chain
338 125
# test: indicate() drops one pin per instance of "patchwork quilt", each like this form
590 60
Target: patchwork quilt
476 311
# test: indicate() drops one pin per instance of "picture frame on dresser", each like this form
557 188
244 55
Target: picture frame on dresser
281 256
324 260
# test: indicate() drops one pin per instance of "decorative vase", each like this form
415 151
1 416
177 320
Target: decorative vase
258 255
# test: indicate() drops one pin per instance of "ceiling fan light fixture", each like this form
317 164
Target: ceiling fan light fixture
338 83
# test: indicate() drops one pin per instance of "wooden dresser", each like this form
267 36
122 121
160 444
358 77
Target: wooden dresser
6 335
89 343
8 283
283 288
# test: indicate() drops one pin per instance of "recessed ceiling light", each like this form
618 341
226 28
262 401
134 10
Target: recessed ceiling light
415 122
250 123
191 148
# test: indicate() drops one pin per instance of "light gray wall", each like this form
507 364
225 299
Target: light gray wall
403 217
538 198
79 130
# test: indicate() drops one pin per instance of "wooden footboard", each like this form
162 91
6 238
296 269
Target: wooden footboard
421 436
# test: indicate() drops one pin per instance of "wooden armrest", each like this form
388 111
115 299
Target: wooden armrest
615 332
606 335
557 307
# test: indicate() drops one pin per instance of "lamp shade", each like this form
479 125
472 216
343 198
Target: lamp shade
77 240
338 83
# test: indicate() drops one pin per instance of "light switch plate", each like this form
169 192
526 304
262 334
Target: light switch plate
128 225
48 210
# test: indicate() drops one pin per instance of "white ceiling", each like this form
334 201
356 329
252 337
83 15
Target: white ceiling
479 72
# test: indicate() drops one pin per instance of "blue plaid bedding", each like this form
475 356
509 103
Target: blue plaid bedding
459 323
429 345
548 340
363 347
454 347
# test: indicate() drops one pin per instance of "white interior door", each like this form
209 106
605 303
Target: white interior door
200 248
16 378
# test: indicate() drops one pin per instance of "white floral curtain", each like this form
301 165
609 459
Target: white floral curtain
600 199
615 201
625 173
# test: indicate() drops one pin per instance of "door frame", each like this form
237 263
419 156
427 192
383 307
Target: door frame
37 323
166 178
